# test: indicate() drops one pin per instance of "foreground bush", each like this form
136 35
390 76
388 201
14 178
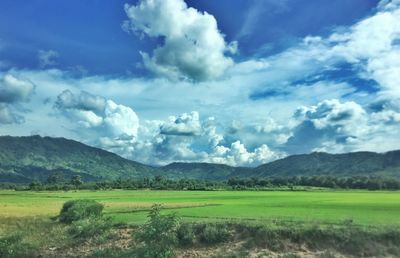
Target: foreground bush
13 246
185 234
112 253
91 227
213 233
346 239
80 209
159 234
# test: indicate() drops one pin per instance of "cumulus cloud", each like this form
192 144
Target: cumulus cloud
47 58
333 113
238 155
84 101
13 89
371 44
185 124
328 120
188 138
120 120
335 126
388 5
261 110
7 116
193 48
108 124
370 48
182 138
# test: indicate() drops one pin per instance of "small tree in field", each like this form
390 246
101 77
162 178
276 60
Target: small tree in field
159 234
55 178
76 181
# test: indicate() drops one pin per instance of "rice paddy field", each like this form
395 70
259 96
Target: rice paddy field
330 207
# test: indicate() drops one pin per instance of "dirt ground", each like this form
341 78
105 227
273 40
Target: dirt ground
122 238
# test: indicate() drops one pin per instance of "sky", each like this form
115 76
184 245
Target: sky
239 82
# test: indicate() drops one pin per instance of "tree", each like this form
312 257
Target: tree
76 181
159 234
55 178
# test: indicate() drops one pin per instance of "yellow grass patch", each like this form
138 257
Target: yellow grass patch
28 210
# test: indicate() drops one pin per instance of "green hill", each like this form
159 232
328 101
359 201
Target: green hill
24 159
348 164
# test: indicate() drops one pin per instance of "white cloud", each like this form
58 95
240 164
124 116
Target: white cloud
13 89
110 125
85 101
238 155
246 115
371 46
195 140
335 126
388 5
193 48
257 9
120 120
330 120
85 118
334 113
7 116
385 69
185 124
47 58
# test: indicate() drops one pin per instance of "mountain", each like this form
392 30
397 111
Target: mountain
348 164
24 159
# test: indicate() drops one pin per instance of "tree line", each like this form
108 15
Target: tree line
57 181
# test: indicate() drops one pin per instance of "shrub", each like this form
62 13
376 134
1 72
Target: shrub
262 236
112 253
185 234
80 209
213 233
89 227
13 246
158 234
291 256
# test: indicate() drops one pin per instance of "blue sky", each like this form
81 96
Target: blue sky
88 33
234 82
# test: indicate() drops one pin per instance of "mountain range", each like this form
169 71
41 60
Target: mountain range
29 158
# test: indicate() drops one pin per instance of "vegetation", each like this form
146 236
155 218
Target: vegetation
14 246
185 234
89 227
76 210
304 207
44 237
164 235
297 205
161 183
356 182
29 237
213 233
159 234
339 165
36 158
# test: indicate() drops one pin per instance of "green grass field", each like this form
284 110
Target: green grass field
361 207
